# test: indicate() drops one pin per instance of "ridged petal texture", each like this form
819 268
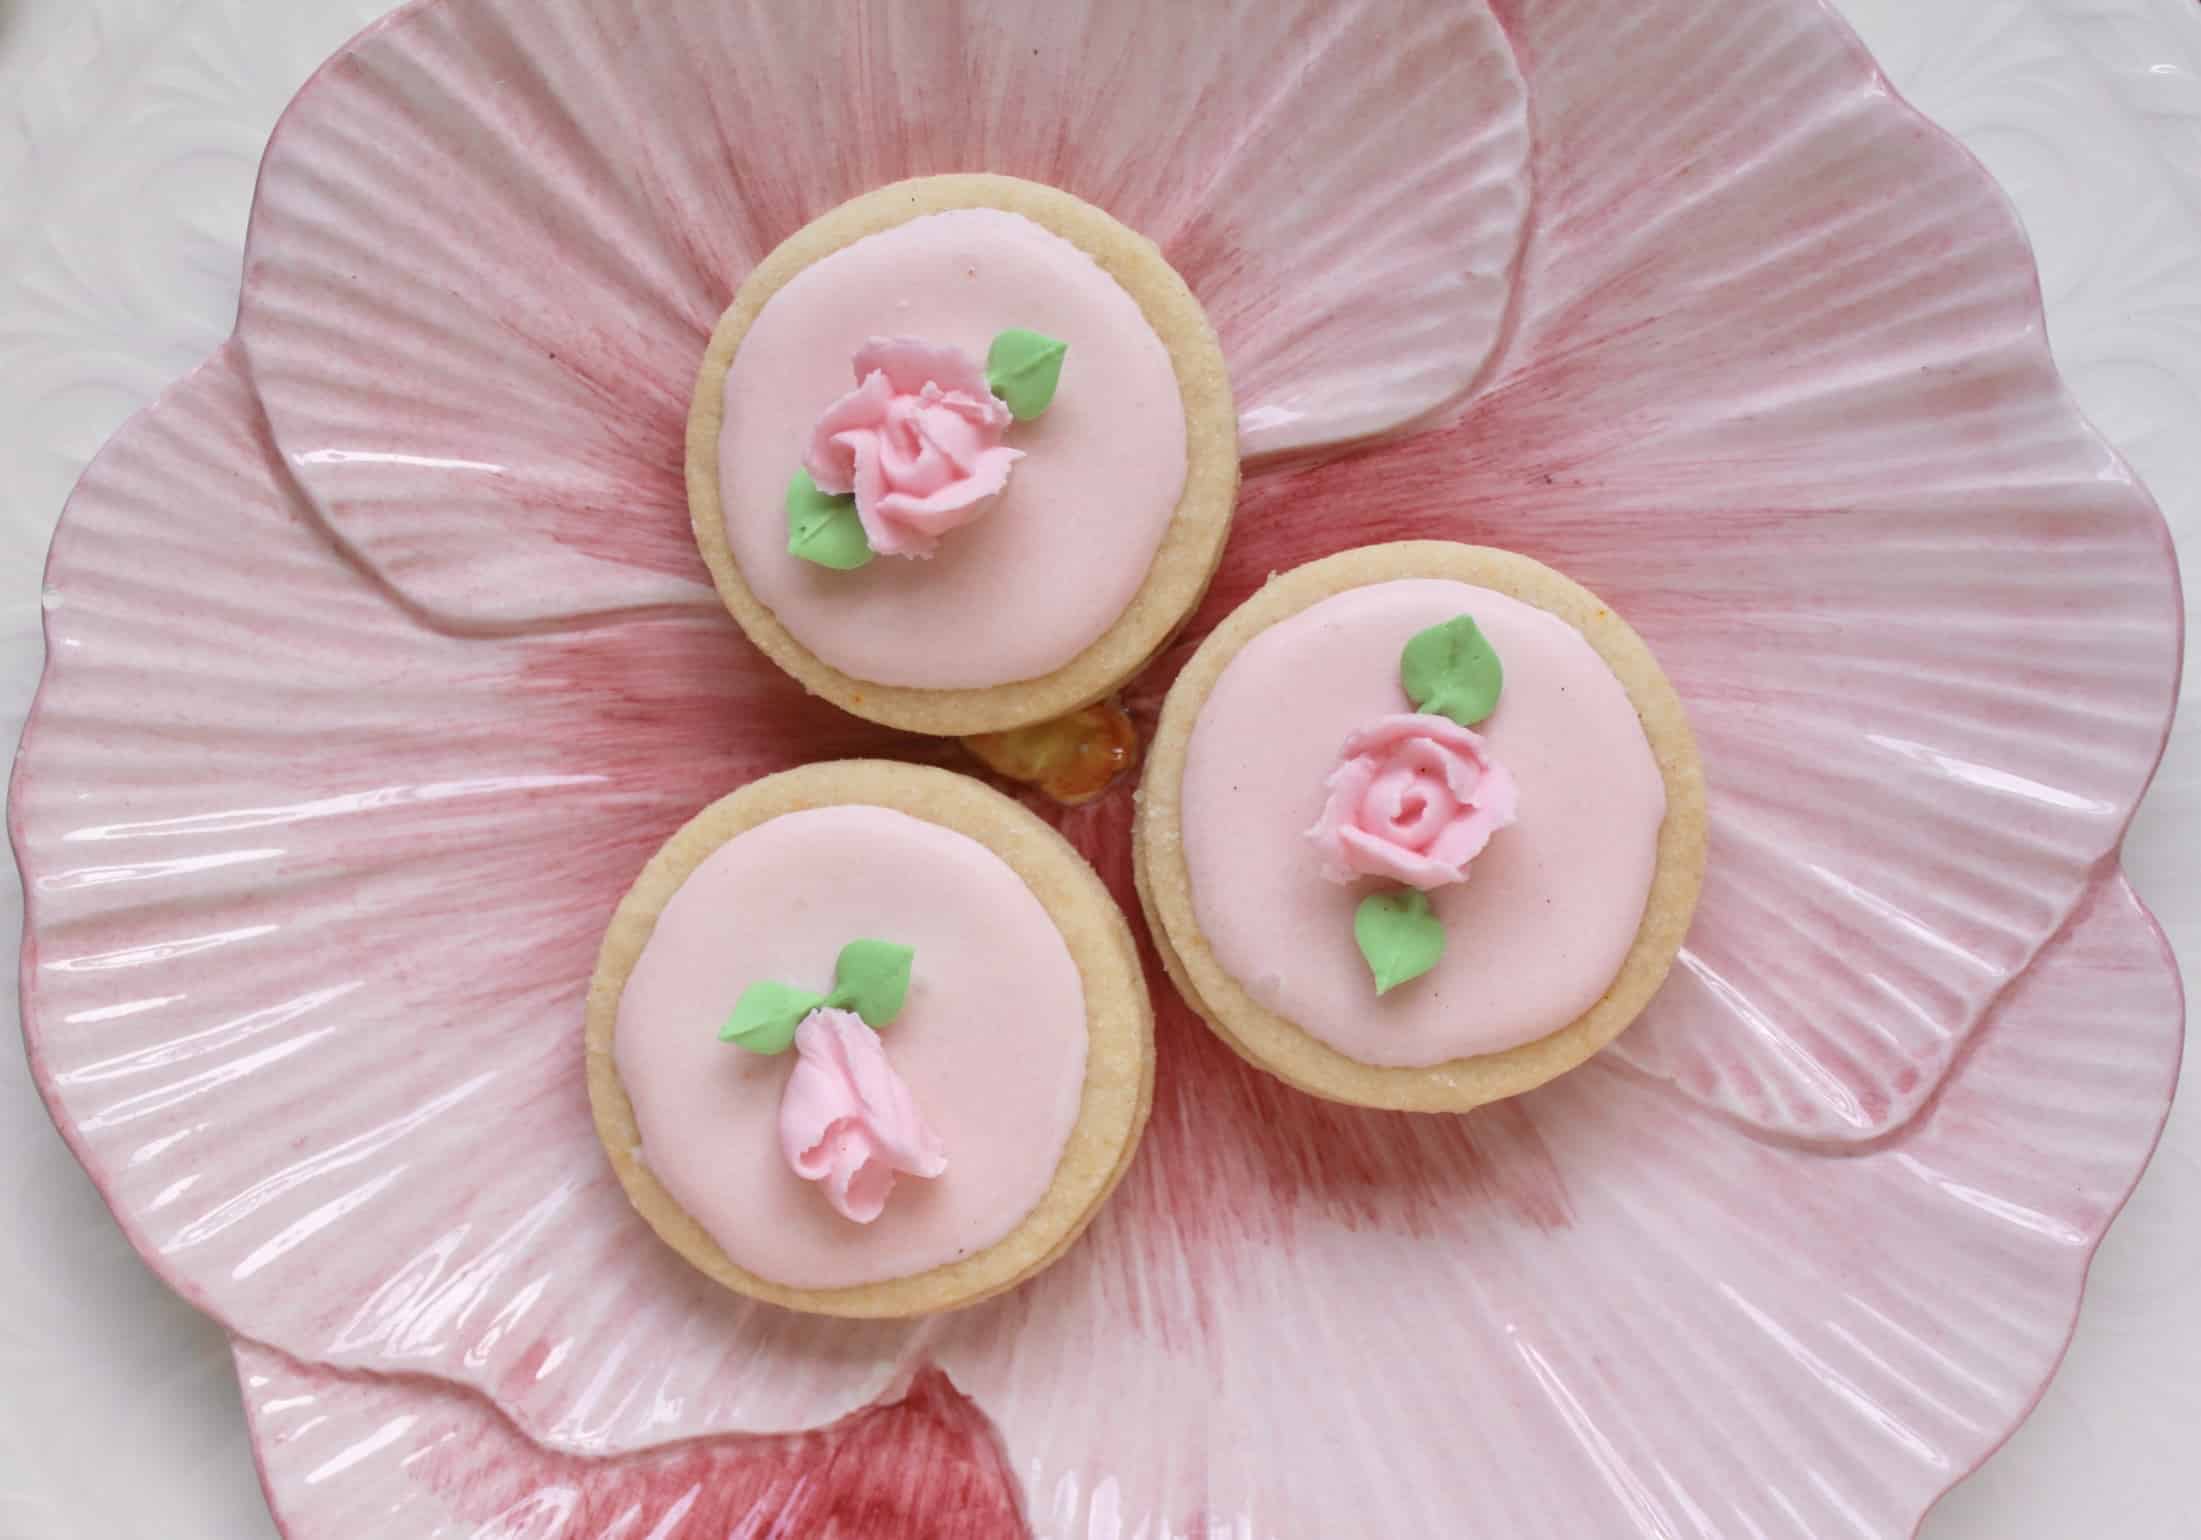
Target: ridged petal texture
314 895
1780 393
1583 1314
349 1457
319 841
492 238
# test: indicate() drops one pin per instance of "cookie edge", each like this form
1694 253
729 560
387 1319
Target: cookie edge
1119 1065
1275 1043
1191 548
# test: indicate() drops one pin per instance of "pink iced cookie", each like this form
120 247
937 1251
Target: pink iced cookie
1422 900
868 1039
962 454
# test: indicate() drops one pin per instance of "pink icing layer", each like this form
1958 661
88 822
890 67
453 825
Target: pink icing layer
991 1042
1051 566
1550 906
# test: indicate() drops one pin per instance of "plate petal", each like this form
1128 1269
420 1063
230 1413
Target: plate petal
345 1456
315 893
1591 1312
1780 392
478 363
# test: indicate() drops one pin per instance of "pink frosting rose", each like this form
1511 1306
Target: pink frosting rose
848 1121
1413 798
918 441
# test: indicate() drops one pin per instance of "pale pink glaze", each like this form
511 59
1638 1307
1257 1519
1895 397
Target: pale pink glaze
848 1121
1414 798
1538 934
991 1042
918 441
1051 567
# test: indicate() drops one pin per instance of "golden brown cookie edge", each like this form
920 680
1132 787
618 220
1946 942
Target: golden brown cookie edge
1281 1046
1119 1071
1190 549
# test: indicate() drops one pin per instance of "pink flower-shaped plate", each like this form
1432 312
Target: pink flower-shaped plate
380 658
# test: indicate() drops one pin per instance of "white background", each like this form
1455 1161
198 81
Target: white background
129 130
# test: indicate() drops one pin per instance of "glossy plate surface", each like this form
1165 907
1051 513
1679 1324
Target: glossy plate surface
372 686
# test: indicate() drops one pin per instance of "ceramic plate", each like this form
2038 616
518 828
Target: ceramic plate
380 659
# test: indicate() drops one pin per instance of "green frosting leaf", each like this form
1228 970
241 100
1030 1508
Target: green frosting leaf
766 1016
1023 368
823 528
871 978
1452 671
1399 934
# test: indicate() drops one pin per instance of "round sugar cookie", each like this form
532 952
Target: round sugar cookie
1104 513
1421 901
1020 1040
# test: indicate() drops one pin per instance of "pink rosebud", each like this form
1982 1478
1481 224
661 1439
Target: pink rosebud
848 1121
1414 798
918 441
